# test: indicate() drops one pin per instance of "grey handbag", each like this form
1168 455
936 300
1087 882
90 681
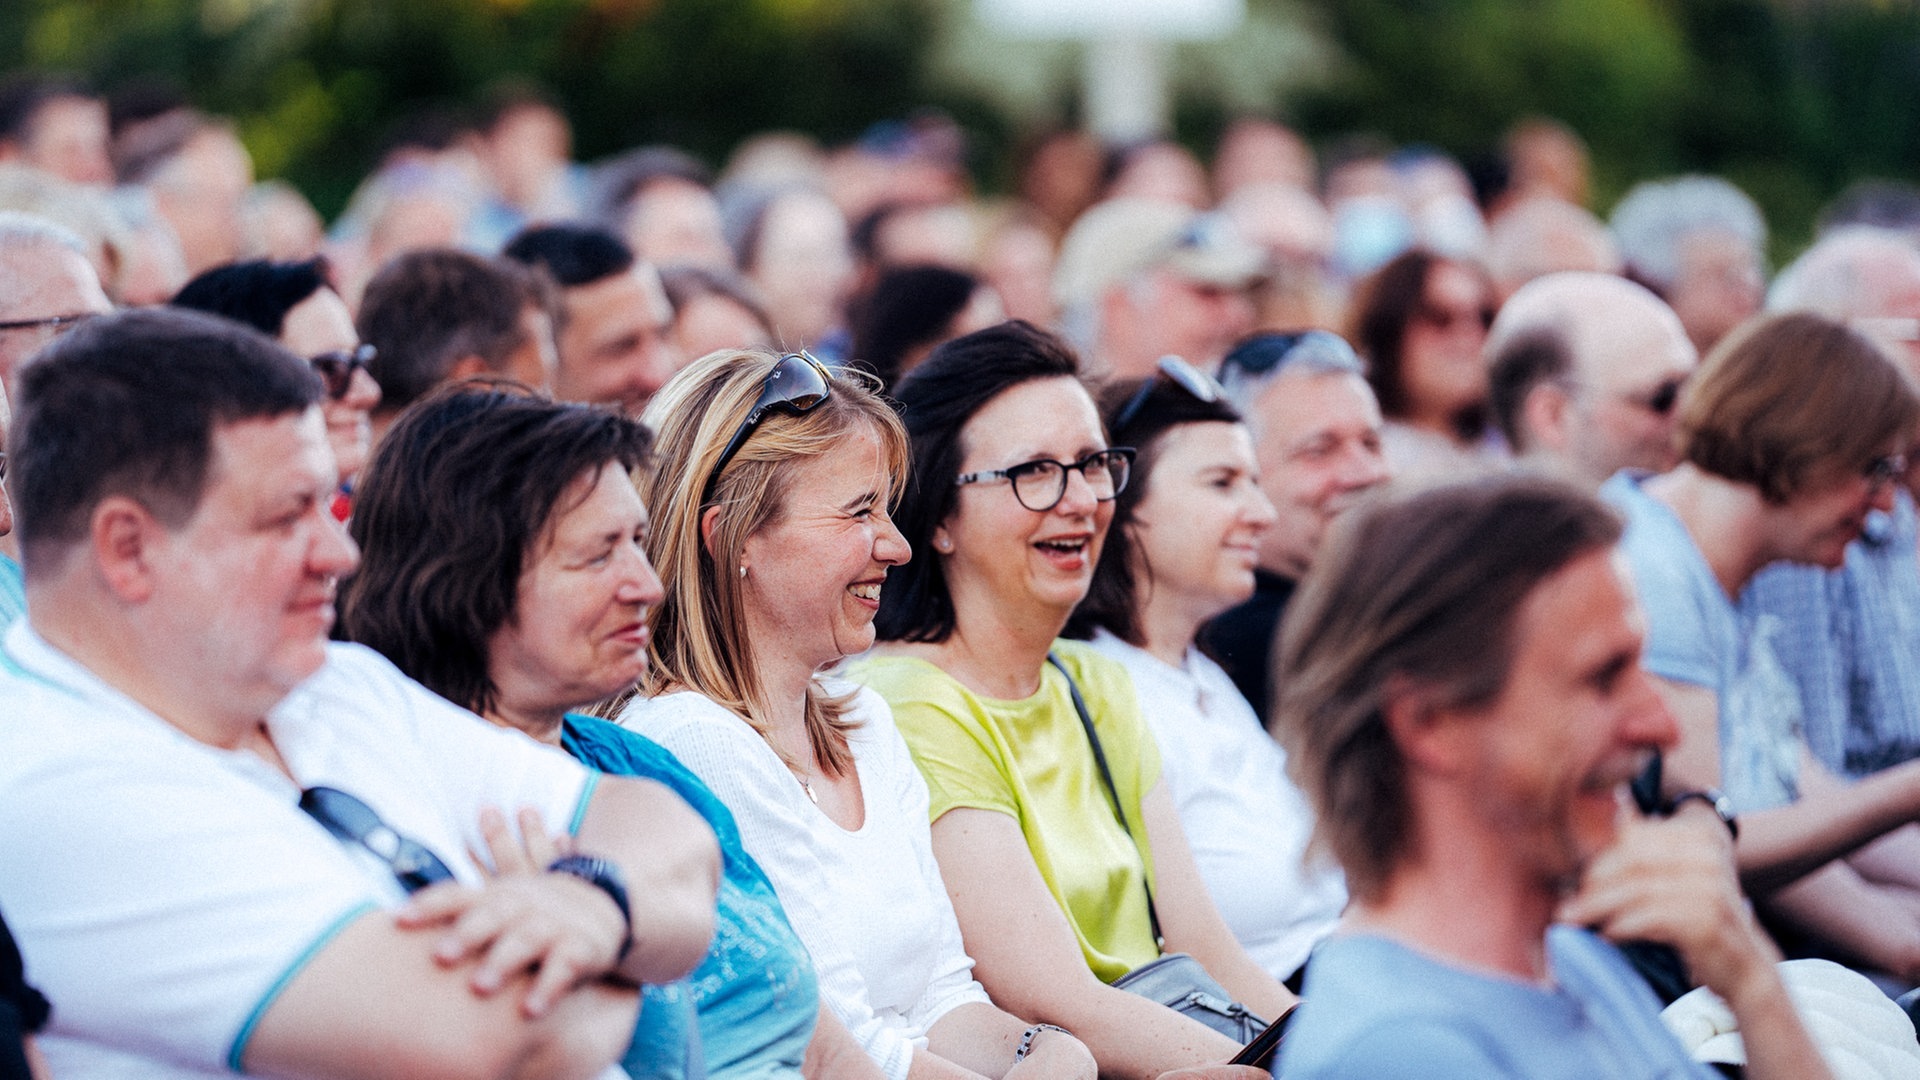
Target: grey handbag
1175 980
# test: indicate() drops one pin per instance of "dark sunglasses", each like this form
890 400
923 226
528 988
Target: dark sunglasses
1448 318
797 384
1661 399
354 822
1885 469
1176 371
336 368
1039 485
1262 353
56 321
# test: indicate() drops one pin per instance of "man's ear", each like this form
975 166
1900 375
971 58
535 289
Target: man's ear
469 366
1543 415
122 534
1431 736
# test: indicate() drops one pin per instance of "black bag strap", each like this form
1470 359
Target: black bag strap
1113 793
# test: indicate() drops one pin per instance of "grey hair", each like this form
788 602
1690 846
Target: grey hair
1850 273
1653 221
21 229
1245 388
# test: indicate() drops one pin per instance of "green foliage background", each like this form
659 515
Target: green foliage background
1792 99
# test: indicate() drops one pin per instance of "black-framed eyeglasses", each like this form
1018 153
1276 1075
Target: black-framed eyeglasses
1885 469
354 822
1040 484
3 464
55 321
1176 371
336 368
1264 353
797 384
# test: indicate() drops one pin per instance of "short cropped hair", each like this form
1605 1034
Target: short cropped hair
1517 365
127 405
426 310
1655 218
699 629
1786 401
257 292
1115 596
573 255
1413 593
937 400
454 505
24 96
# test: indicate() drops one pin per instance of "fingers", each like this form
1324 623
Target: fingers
531 851
541 846
436 904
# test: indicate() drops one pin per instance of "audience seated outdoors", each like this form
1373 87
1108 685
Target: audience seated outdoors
503 567
1181 548
771 498
211 819
872 589
1791 433
293 303
1066 870
1463 705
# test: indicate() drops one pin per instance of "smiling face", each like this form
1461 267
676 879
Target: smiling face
814 573
245 587
614 348
1198 527
1028 566
579 631
1816 525
1440 364
1548 760
1319 451
320 324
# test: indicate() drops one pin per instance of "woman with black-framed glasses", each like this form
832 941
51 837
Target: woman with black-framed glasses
771 495
1067 870
295 304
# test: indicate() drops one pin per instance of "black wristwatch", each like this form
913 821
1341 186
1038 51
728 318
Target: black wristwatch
1715 799
605 876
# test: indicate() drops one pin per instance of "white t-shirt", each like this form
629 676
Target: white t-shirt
1247 824
164 891
869 904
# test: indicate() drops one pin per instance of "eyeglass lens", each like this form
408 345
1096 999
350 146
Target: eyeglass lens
1040 485
336 368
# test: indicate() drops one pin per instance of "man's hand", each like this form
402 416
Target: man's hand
523 918
1672 881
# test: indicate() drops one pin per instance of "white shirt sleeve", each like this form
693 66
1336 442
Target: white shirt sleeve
778 832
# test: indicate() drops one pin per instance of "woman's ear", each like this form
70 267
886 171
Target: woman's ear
709 519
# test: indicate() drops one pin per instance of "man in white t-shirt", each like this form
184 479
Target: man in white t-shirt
210 818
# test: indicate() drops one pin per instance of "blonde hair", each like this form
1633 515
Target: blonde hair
699 637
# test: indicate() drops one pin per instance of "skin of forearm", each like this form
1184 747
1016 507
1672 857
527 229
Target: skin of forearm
587 1031
671 862
832 1053
1777 1043
1779 845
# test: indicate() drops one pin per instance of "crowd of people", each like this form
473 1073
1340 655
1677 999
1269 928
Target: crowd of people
811 620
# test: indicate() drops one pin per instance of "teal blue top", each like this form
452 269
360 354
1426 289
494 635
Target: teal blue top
754 994
13 594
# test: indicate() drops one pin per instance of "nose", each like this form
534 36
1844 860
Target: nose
890 544
1078 498
1646 720
363 392
1882 496
641 585
1363 467
1259 511
334 553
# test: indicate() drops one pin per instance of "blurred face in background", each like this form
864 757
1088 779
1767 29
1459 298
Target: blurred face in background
803 267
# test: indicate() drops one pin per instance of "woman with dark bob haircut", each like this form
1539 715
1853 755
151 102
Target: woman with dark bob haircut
1065 875
1421 322
503 568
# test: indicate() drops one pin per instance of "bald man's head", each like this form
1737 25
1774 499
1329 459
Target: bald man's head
1864 276
1586 369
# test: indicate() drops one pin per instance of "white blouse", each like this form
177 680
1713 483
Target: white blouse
868 903
1246 822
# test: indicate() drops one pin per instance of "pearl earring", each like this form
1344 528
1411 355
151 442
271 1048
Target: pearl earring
743 570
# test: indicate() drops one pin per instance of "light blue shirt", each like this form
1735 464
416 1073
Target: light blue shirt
1378 1010
1850 640
13 593
1695 636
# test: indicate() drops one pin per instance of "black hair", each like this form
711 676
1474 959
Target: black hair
426 310
23 96
127 405
446 515
257 293
1522 363
936 401
573 255
1113 598
909 307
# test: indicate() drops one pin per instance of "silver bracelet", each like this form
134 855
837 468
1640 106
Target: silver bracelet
1027 1037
